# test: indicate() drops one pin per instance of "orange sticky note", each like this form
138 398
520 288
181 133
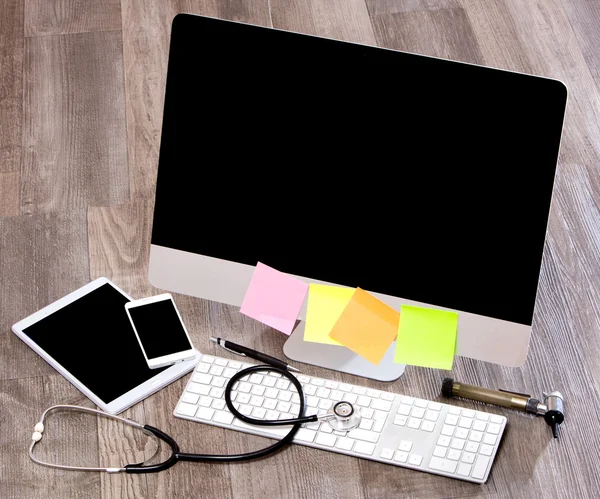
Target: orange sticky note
367 326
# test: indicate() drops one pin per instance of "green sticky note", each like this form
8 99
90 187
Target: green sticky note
426 337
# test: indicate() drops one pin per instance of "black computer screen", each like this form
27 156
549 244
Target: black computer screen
416 177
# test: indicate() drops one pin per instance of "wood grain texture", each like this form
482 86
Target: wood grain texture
57 17
71 438
74 124
10 187
341 19
42 258
11 83
146 32
100 203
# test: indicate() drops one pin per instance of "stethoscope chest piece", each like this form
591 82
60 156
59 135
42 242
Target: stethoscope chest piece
342 416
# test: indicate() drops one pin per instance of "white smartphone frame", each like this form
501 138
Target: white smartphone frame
165 360
122 402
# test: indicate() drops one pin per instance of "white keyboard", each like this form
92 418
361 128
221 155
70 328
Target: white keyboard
395 429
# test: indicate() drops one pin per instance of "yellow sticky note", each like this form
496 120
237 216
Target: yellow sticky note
325 305
426 337
367 326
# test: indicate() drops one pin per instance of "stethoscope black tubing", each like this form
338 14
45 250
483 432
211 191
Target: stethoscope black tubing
208 458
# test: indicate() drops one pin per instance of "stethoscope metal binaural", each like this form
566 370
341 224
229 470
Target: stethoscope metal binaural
341 417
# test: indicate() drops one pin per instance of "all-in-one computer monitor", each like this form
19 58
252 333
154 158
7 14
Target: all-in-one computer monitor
421 180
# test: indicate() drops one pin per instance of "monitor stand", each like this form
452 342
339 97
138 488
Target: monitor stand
340 358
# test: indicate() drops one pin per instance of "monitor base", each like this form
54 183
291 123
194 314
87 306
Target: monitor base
340 358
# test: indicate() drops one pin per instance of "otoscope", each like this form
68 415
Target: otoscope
551 408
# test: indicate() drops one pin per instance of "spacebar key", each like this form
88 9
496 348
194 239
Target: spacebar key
440 464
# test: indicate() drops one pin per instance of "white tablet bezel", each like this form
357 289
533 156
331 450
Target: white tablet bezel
126 400
165 360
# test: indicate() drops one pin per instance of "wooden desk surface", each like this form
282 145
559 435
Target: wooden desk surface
81 95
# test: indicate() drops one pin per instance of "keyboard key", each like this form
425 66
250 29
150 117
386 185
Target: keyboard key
465 422
427 426
405 445
463 469
387 453
486 450
345 443
283 406
413 423
493 428
482 416
325 439
234 364
218 404
228 373
401 456
351 397
312 401
454 454
451 419
305 435
202 367
317 382
435 406
404 409
205 413
208 359
472 446
258 413
381 405
256 379
367 436
400 420
437 463
468 457
246 410
345 387
367 413
221 362
417 412
331 384
458 443
445 441
387 396
364 448
415 459
476 436
431 415
310 389
223 417
323 392
439 451
243 398
269 404
219 382
378 426
408 400
336 395
325 404
269 382
421 403
363 401
190 398
216 392
479 425
257 401
490 439
373 393
282 384
205 401
448 430
454 410
285 396
202 378
186 409
272 415
216 370
468 413
366 424
359 390
480 467
272 393
244 387
497 419
461 433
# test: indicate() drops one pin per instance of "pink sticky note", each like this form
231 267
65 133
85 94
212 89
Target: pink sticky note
274 298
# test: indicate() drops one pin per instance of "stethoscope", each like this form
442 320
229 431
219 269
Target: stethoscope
341 417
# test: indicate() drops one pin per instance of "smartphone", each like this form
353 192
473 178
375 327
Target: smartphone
160 331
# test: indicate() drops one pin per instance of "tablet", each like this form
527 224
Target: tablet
87 337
